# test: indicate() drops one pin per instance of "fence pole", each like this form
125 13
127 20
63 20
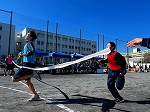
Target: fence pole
98 42
80 42
47 35
103 43
128 55
56 35
116 43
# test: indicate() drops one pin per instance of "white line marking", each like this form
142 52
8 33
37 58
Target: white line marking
58 105
15 90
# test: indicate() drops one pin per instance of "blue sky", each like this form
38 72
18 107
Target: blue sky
122 19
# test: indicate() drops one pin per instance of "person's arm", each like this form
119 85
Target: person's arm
6 59
103 61
139 42
120 60
146 42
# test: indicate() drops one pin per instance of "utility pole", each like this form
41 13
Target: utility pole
128 56
103 44
56 35
80 43
116 44
98 42
47 38
47 35
9 29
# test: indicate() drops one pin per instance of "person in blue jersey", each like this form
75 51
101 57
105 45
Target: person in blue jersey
116 71
28 56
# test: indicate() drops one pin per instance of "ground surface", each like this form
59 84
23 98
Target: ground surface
86 92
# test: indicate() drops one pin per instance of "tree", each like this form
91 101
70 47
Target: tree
146 57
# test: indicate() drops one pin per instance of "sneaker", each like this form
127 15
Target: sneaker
37 76
34 98
119 100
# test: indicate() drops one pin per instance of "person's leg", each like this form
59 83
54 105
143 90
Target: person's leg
112 75
5 72
31 87
120 81
35 96
8 69
8 72
27 78
21 75
22 78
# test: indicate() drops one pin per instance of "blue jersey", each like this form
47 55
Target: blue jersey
29 49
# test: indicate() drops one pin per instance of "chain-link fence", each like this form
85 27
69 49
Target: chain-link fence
22 21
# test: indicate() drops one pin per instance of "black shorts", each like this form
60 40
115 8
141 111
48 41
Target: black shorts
23 71
9 67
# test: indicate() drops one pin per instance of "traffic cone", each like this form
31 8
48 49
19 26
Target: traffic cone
134 70
129 70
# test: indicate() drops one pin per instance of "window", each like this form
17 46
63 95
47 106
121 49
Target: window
0 28
18 43
72 41
43 35
38 34
47 43
42 43
38 42
47 51
64 39
51 44
51 36
65 46
59 38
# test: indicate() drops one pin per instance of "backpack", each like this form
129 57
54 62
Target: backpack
123 61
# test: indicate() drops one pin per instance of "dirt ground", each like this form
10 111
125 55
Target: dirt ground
86 92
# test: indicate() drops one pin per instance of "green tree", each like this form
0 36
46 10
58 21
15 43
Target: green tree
146 58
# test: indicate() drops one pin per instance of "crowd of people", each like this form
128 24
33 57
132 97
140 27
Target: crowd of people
89 66
140 68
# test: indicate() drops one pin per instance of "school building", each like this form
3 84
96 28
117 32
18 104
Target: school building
4 39
63 43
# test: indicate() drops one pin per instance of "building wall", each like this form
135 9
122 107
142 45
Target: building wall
18 43
66 44
4 39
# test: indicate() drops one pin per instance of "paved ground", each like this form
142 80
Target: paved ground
86 92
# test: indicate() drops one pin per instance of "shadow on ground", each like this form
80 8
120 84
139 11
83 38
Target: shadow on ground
92 101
